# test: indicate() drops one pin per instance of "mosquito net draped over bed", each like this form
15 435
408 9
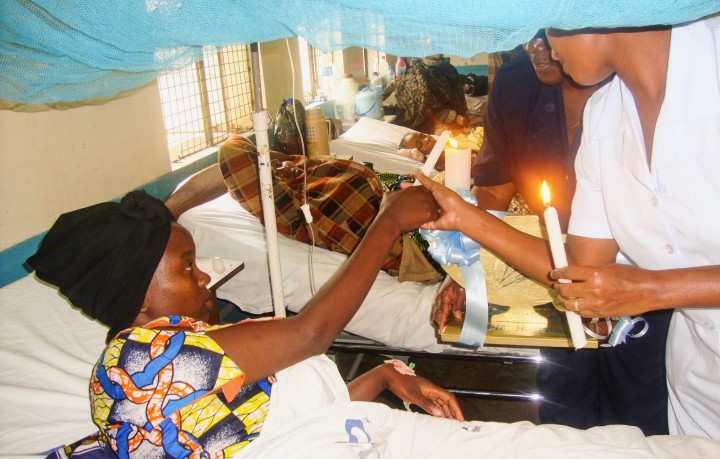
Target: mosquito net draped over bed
62 51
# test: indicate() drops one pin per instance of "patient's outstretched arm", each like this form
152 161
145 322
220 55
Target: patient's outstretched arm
199 188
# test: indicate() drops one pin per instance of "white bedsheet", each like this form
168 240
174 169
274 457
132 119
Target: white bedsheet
311 416
47 352
397 314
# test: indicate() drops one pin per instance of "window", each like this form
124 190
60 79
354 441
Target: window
205 102
317 72
307 69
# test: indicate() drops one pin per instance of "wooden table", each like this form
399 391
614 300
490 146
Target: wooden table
527 326
519 313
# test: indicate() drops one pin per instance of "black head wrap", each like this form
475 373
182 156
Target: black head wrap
103 257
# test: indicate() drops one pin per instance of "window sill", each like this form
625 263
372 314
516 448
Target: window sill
180 163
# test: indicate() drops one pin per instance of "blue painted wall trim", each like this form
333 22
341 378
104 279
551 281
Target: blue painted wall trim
12 260
476 69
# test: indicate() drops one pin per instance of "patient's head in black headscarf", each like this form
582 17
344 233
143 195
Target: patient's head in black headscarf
103 257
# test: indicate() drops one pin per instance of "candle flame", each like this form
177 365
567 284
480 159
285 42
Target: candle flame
545 193
453 143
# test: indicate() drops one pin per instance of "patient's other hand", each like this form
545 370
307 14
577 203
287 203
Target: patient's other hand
423 393
450 300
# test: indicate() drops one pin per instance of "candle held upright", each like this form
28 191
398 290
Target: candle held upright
557 248
457 167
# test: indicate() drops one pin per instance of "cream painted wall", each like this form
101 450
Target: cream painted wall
55 161
478 59
276 74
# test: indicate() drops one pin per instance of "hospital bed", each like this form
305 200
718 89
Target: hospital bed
394 318
394 313
48 350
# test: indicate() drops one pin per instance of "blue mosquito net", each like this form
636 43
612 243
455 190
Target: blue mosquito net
70 50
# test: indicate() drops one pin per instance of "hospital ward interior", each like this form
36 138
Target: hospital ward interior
490 207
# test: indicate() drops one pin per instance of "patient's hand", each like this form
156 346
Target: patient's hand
454 208
450 300
423 393
408 208
408 387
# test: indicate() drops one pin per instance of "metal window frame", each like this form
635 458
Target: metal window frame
173 90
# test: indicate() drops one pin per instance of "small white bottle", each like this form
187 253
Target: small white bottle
345 101
390 73
376 84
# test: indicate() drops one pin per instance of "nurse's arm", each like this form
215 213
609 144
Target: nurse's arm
605 289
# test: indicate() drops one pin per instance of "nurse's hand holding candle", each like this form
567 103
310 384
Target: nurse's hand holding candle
557 248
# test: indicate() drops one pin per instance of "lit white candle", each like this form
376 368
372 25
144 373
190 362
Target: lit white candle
434 155
457 167
557 248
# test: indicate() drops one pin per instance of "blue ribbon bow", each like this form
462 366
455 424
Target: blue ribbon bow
453 247
622 329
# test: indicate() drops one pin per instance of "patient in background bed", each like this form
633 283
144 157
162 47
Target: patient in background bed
343 198
418 146
170 383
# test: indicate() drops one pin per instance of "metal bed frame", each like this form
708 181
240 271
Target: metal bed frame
360 347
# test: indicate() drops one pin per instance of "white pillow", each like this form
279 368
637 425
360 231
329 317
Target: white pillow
47 350
377 142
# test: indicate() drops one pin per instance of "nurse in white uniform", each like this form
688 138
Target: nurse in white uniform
648 173
648 179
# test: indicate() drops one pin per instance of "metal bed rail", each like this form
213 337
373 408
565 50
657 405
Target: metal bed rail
347 342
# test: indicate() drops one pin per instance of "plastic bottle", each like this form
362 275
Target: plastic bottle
400 66
376 84
345 101
390 73
317 139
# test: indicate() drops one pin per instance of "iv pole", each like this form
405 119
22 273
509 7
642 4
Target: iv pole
260 119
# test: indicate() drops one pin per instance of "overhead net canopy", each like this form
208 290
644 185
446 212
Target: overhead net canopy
69 50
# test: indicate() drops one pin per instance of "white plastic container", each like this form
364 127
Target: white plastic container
345 101
367 103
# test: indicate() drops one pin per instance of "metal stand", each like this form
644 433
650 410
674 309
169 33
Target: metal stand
261 124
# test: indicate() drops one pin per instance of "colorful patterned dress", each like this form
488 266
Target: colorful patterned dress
168 390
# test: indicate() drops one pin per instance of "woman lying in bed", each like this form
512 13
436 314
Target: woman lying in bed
418 145
343 198
170 383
